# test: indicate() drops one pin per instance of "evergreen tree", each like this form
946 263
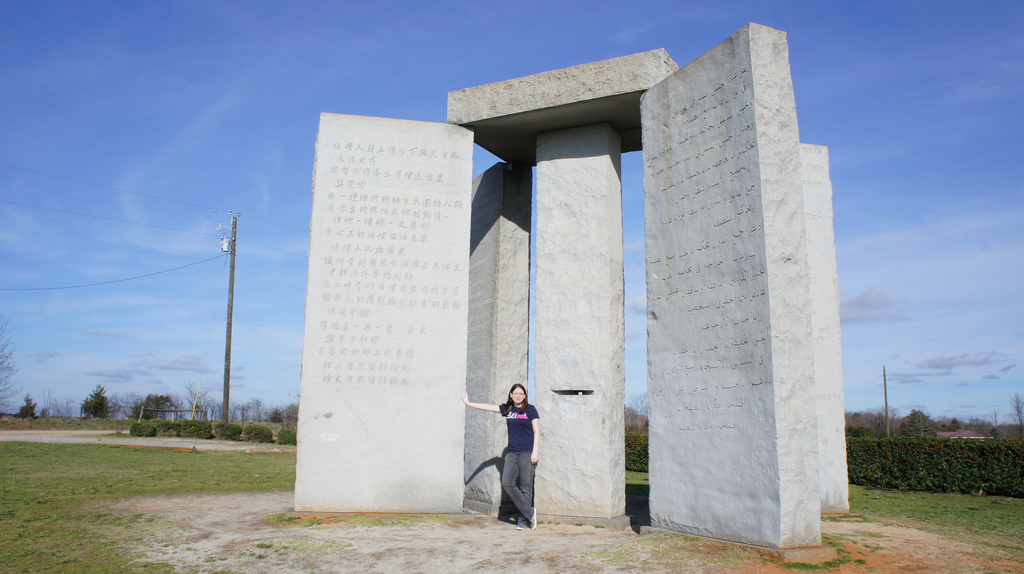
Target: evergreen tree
96 405
28 410
153 402
917 424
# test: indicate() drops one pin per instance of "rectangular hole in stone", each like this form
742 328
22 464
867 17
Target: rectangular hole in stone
570 392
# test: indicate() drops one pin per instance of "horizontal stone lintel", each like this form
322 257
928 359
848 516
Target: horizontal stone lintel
507 116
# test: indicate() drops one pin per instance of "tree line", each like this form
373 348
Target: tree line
101 405
918 423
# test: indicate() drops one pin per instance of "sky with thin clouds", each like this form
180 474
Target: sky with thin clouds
131 131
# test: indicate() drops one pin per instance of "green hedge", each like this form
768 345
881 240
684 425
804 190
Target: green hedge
286 437
257 433
141 429
943 465
197 429
166 428
636 452
229 431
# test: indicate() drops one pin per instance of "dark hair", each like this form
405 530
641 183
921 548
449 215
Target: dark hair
511 404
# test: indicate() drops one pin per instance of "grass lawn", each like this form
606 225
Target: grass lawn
993 521
637 483
54 498
55 502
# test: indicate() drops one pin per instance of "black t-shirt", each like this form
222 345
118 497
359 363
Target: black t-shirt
520 428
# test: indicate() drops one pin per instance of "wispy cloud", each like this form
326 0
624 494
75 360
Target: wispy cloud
187 363
44 356
629 34
869 305
945 365
114 334
905 377
992 377
1006 368
633 247
117 375
637 305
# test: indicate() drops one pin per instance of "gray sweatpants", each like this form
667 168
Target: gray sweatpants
517 480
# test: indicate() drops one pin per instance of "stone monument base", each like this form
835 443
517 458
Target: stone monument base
806 555
492 510
615 522
291 513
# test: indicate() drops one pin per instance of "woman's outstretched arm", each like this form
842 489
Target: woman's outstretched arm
535 455
482 407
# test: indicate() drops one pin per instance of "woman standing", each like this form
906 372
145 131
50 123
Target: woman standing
523 445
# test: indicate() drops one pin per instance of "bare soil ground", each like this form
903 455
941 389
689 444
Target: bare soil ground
231 532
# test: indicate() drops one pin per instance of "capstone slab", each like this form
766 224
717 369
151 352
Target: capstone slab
384 353
833 479
733 439
507 116
579 378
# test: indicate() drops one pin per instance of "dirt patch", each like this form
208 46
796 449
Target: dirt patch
247 533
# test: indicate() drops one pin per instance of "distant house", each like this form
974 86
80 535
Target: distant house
962 433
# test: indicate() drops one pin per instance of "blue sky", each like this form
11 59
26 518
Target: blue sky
106 107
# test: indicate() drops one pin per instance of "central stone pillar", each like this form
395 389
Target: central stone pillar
579 380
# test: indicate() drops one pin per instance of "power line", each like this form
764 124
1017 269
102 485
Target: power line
269 247
109 282
145 225
139 193
107 218
109 187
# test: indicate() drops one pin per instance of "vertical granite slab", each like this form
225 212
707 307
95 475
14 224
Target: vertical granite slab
499 321
384 354
733 439
579 377
827 345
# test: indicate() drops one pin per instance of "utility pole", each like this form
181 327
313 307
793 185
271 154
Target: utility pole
885 387
231 301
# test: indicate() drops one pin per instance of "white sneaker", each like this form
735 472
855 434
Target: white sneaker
533 521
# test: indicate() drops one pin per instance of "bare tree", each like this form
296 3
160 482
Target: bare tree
58 408
214 408
256 407
1017 413
637 412
875 420
119 406
195 394
128 402
49 403
240 411
978 424
8 390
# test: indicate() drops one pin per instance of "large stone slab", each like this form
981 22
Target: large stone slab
733 439
499 321
384 354
833 479
507 116
579 377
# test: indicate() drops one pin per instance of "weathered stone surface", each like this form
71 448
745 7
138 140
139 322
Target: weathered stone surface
579 378
507 116
384 355
733 439
499 321
828 352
